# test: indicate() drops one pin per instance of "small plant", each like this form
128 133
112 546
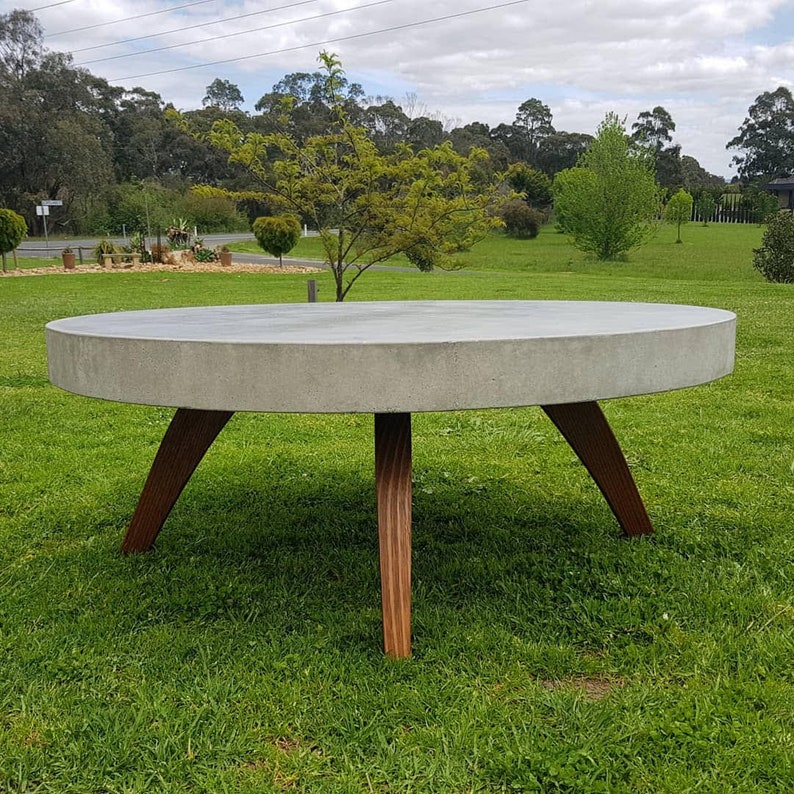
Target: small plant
67 250
105 247
178 233
277 234
521 220
12 231
775 258
203 254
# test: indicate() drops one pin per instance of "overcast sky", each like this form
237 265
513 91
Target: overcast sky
704 61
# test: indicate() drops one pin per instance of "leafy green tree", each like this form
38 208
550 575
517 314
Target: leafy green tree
277 234
367 206
12 231
534 184
679 211
705 204
223 95
775 258
609 202
766 137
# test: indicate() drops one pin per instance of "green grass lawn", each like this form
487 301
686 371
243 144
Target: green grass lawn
243 654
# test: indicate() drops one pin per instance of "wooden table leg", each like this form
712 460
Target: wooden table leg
586 429
393 486
185 443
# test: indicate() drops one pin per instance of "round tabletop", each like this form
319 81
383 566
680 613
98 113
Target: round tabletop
383 357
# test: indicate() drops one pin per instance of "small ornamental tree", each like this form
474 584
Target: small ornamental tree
679 211
609 202
367 206
277 234
775 258
12 231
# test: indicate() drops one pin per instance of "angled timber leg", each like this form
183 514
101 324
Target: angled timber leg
393 486
185 443
586 429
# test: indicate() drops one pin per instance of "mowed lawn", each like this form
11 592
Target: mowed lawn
550 654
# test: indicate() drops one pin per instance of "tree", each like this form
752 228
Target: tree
521 220
775 258
561 150
277 234
609 202
533 122
766 137
223 95
679 211
12 231
21 38
534 184
705 204
367 206
652 129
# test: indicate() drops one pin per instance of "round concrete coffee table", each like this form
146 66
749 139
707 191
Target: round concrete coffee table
389 359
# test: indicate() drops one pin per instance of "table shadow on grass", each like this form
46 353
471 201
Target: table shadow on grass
289 556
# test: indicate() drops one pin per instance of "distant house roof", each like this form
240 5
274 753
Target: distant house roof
781 183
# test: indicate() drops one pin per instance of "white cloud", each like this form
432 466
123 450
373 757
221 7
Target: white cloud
704 61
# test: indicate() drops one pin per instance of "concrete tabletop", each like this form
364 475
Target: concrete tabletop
381 357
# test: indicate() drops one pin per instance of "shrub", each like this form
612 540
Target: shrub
775 258
678 211
203 254
106 247
277 234
520 220
12 231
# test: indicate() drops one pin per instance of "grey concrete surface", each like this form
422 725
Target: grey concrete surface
389 356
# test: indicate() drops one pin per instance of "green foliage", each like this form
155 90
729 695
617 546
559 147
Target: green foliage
609 202
277 234
534 184
520 220
766 137
201 253
775 258
106 247
12 231
367 206
705 205
178 233
679 210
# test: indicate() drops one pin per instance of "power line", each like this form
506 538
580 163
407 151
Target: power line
51 5
126 19
241 32
323 43
187 27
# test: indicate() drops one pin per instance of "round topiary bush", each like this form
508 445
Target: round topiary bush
12 231
521 220
277 234
775 258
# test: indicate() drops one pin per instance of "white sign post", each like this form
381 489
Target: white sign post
44 211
